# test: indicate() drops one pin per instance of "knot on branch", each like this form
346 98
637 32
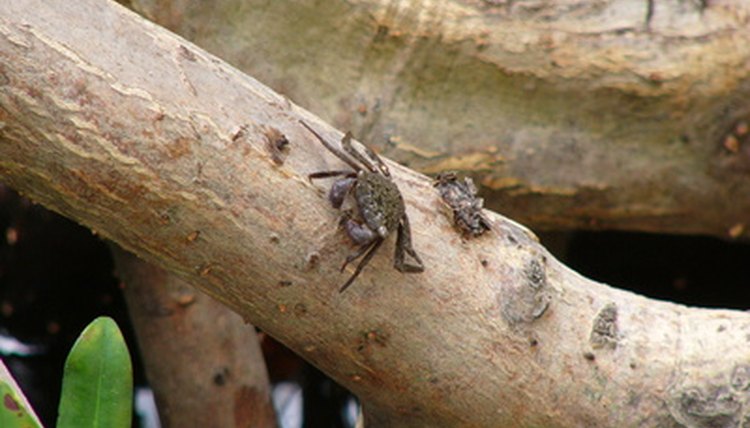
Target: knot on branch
720 402
604 331
526 296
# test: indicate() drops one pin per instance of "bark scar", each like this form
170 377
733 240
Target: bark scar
604 331
527 298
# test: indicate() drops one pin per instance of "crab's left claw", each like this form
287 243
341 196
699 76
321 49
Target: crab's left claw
403 247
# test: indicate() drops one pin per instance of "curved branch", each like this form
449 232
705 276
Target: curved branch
576 114
169 152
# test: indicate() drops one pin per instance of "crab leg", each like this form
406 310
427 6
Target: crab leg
346 144
371 252
327 174
357 254
378 161
339 154
403 245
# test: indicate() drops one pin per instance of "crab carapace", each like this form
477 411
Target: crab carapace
378 206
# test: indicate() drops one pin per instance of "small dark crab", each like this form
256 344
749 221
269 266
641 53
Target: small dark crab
379 206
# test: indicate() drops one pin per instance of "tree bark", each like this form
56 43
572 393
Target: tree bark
578 114
171 153
203 361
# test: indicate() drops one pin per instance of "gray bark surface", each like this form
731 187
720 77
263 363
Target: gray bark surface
618 114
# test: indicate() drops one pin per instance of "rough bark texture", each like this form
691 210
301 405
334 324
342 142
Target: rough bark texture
577 114
169 152
202 360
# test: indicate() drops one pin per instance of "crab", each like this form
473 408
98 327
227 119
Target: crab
378 206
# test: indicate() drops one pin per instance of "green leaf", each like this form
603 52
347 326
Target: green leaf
13 413
97 388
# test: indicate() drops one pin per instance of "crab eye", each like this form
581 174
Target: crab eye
382 231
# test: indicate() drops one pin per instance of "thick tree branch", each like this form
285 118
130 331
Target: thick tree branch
203 361
577 114
171 153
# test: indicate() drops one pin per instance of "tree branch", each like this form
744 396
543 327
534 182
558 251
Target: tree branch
169 152
203 361
580 114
